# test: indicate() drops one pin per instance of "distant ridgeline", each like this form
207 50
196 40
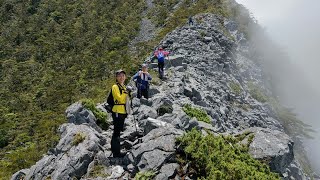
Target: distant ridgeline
54 53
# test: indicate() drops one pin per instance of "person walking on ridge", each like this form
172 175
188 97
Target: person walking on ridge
161 54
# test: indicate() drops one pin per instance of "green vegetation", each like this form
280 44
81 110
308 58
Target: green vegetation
155 77
161 10
236 88
220 157
100 115
257 93
53 53
200 114
145 175
98 171
78 138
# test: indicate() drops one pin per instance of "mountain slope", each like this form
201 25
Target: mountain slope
53 53
208 70
62 52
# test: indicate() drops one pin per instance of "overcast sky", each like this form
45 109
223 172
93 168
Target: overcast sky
295 25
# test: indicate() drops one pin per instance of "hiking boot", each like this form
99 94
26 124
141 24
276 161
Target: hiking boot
120 155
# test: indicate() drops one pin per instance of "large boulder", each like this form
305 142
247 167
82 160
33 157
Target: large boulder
70 159
77 114
150 124
175 60
272 146
167 171
157 149
20 174
145 111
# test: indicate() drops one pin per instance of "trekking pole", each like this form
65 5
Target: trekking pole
134 119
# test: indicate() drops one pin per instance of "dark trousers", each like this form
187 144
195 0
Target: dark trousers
160 69
118 123
143 92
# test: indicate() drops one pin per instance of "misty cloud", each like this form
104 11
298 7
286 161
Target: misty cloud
294 25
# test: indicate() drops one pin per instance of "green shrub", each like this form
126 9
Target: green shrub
4 139
100 115
145 175
98 171
55 53
202 33
236 88
78 138
155 77
200 114
257 93
220 157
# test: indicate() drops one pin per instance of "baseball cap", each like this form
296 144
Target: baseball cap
120 71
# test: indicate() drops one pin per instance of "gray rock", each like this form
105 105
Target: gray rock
77 114
70 160
146 102
176 60
117 172
153 91
146 111
150 124
196 94
158 148
180 69
20 174
167 171
207 39
192 124
273 146
205 126
154 159
102 157
188 92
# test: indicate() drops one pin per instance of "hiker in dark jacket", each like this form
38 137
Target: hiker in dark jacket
190 21
142 79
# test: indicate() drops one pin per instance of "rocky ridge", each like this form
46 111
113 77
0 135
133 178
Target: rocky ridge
205 63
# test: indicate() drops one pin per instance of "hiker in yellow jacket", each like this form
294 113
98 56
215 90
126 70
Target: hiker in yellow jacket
119 113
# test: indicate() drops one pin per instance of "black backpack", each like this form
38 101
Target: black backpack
110 100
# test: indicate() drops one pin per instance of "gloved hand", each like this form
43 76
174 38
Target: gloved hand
129 89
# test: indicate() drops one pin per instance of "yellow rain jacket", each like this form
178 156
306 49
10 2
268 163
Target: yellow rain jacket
119 99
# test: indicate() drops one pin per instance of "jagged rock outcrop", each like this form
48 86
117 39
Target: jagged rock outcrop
273 147
205 68
70 158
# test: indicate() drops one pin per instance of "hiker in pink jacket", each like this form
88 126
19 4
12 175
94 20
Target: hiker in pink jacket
161 54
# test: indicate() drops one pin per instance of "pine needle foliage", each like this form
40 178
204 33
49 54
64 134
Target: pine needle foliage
200 114
78 138
53 53
221 157
145 175
100 115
